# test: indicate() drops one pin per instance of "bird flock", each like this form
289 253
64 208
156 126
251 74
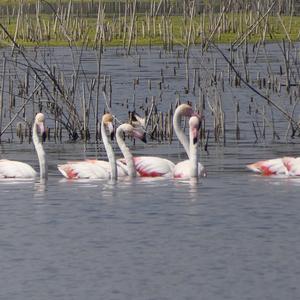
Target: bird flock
129 165
132 166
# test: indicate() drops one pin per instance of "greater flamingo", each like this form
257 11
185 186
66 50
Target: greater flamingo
92 168
146 166
190 167
17 169
152 166
277 166
128 160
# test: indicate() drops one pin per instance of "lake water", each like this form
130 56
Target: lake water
232 235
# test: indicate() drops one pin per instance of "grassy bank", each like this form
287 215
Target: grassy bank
64 26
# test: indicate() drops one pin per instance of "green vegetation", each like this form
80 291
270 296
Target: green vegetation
62 28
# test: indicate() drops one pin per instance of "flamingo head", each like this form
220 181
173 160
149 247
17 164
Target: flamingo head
137 120
187 111
194 124
40 123
134 132
107 120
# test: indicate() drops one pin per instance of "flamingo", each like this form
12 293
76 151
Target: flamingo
289 166
152 166
17 169
128 160
92 168
148 166
191 167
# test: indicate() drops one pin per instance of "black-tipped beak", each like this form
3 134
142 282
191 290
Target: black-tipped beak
44 136
144 138
112 135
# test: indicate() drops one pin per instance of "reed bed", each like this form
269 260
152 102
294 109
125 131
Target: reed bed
32 80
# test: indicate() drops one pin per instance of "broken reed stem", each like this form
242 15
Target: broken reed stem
131 28
21 108
2 93
295 124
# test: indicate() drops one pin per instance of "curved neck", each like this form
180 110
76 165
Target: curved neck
193 156
40 153
180 133
126 152
110 153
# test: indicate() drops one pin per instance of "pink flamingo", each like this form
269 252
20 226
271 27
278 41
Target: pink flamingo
191 167
17 169
92 168
278 166
152 166
145 166
128 161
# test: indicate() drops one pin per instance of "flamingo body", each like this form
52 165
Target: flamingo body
89 169
182 170
15 169
269 167
151 166
292 165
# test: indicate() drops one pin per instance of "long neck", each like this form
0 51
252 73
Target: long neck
110 153
180 133
126 152
40 153
193 157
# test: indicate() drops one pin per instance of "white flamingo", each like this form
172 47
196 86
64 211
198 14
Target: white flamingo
191 167
93 168
17 169
128 157
145 166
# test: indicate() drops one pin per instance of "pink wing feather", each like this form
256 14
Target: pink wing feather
90 168
269 167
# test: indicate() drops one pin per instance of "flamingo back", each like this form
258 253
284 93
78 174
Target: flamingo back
15 169
269 167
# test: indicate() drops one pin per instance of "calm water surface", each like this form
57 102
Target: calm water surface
233 235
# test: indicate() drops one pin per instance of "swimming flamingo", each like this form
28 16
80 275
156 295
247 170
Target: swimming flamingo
278 166
146 166
190 167
152 166
17 169
92 168
128 157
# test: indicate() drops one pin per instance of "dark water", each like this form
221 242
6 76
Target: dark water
232 235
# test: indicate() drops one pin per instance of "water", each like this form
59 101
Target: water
232 235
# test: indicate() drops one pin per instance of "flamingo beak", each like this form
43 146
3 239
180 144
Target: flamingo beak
195 135
42 130
111 130
140 135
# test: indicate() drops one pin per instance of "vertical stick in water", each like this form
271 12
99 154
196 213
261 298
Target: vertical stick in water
1 94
